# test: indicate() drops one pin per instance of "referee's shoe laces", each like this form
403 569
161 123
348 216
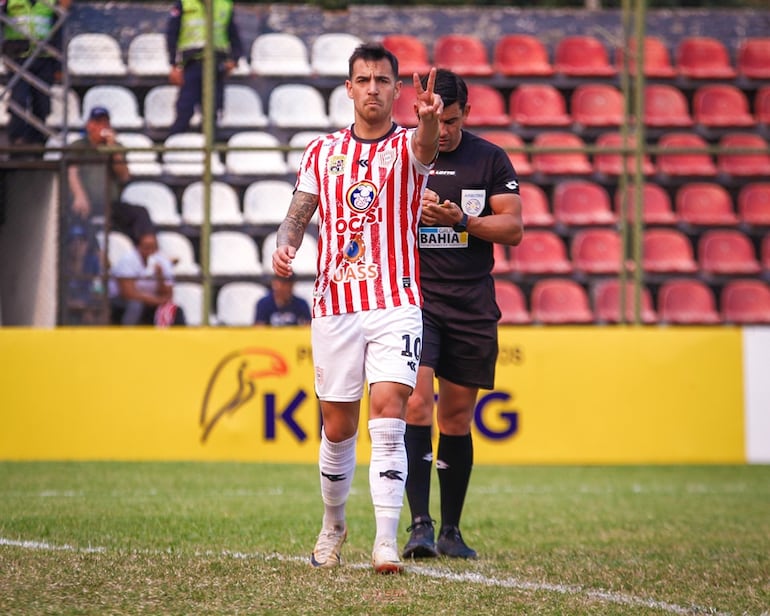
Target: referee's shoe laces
421 542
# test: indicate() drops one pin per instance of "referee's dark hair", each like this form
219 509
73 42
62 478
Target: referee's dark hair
450 87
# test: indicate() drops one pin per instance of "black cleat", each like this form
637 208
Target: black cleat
450 543
421 543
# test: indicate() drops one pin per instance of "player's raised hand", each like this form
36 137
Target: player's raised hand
429 104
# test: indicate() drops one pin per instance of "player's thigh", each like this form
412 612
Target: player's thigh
394 344
338 357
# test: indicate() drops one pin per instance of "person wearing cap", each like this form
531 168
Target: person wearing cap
186 39
94 174
31 23
281 306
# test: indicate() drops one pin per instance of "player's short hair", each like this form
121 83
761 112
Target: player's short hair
450 87
373 52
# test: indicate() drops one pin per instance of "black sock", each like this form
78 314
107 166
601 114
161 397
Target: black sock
418 448
454 462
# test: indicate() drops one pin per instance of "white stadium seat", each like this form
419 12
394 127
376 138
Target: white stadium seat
266 202
188 162
237 303
330 52
256 162
225 206
148 55
297 105
179 249
140 163
157 198
233 253
242 108
95 54
279 53
119 100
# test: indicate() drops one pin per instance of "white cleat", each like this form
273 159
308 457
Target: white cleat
328 546
385 558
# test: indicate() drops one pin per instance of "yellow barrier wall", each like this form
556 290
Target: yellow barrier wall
563 395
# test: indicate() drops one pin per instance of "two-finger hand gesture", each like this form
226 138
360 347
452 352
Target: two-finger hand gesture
429 105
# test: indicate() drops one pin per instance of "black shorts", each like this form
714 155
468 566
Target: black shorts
460 332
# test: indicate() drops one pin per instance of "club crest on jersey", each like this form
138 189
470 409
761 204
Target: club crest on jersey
361 195
336 165
472 201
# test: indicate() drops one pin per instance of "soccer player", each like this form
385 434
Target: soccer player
472 201
367 181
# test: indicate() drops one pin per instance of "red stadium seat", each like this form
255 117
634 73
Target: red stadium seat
502 264
705 204
754 204
719 105
702 57
465 54
582 203
665 106
667 251
596 251
540 252
764 254
657 60
534 206
745 301
538 105
754 58
411 53
656 204
521 55
560 163
487 107
611 163
582 56
684 164
506 139
607 296
512 304
687 302
762 105
727 252
560 301
744 164
403 107
597 104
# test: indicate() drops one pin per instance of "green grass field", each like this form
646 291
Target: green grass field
195 538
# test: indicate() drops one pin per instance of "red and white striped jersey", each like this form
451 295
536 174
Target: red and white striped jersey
369 208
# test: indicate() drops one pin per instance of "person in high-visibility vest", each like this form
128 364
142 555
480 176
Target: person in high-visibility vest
186 39
30 22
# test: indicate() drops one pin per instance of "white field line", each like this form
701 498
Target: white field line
432 572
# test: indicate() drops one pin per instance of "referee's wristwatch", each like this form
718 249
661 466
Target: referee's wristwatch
462 225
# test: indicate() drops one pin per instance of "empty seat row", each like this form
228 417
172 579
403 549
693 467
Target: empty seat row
680 301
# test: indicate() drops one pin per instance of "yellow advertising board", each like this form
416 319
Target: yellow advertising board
563 395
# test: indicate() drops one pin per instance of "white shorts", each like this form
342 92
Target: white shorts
372 345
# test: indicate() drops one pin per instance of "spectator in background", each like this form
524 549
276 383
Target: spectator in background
31 23
281 306
186 39
144 283
93 176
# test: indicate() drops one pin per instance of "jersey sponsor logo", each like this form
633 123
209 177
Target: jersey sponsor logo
354 250
336 165
355 272
472 201
361 195
442 237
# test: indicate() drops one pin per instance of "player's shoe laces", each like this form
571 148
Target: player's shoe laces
421 542
385 557
328 546
450 543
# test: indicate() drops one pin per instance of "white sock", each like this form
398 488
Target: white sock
337 465
387 474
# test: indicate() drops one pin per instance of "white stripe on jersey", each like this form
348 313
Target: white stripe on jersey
369 207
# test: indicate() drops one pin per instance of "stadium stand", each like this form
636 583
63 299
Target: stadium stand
541 252
685 163
95 54
465 54
745 301
119 100
242 108
279 54
754 58
411 52
582 56
657 59
237 302
297 105
234 253
665 106
521 55
255 162
703 57
179 248
141 159
667 251
512 303
535 211
721 105
656 204
539 105
704 204
148 55
726 252
733 163
330 51
580 203
340 107
189 158
507 140
607 302
159 200
225 206
754 204
487 107
189 297
597 105
687 301
160 108
611 163
558 301
265 202
596 252
560 163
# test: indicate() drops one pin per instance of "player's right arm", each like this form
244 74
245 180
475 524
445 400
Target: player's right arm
292 230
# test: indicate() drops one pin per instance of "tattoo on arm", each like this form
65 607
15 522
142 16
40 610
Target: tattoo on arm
292 229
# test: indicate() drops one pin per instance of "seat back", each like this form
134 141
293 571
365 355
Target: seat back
538 105
607 301
233 253
667 251
506 139
727 252
119 100
148 55
581 203
684 163
754 58
237 303
305 261
656 204
56 118
687 302
411 52
403 107
189 297
297 105
521 55
142 161
341 112
560 301
225 206
242 108
540 252
487 106
558 163
464 54
265 202
745 301
705 203
582 56
279 54
611 163
512 303
665 106
754 204
597 251
657 59
179 249
762 105
702 57
255 162
535 211
189 159
160 107
745 165
156 197
95 54
298 142
330 52
719 105
597 105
